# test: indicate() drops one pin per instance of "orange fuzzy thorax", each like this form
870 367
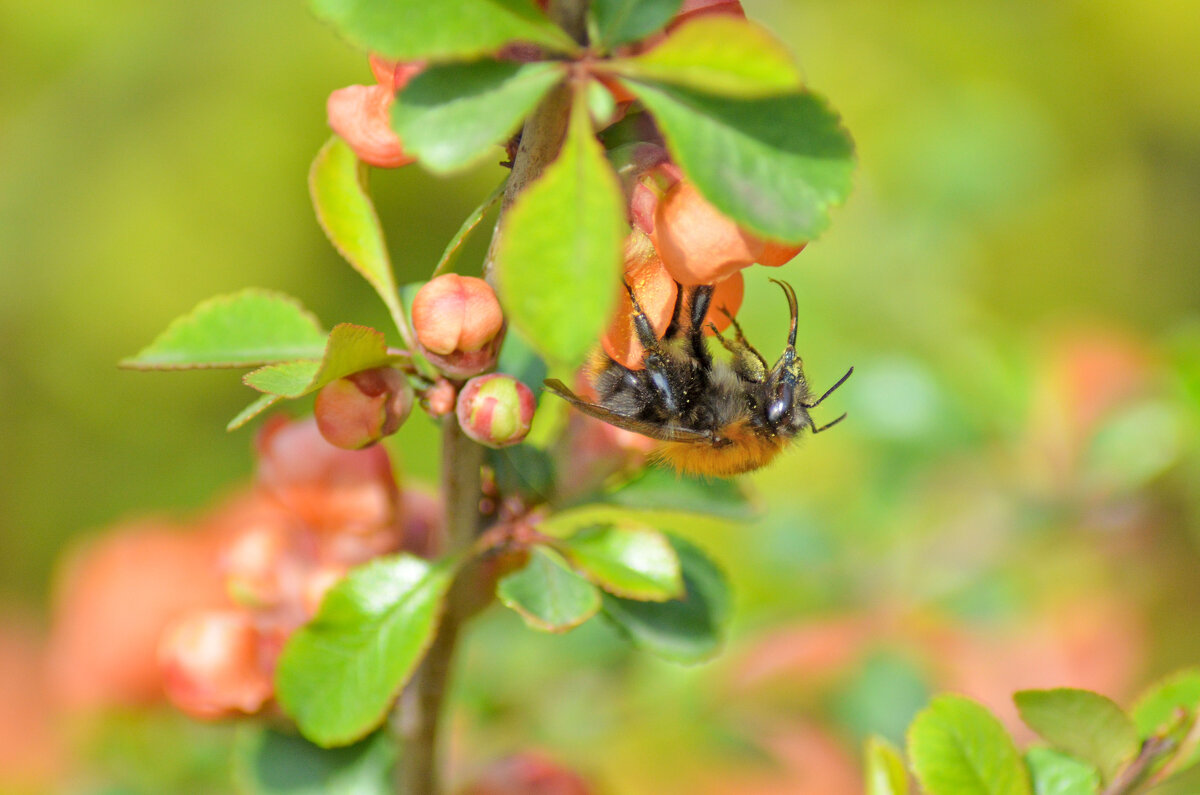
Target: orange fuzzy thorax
747 451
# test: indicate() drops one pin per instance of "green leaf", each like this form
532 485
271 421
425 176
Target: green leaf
339 673
775 165
559 254
524 469
350 348
337 183
1084 724
271 762
454 247
622 21
1056 773
658 489
451 116
261 404
548 595
718 55
245 329
1161 704
686 630
885 769
956 747
629 560
445 30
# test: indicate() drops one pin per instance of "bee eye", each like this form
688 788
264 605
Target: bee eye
778 410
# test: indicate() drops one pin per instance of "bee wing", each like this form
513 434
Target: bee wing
663 433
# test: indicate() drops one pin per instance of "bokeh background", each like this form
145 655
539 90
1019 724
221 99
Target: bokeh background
1016 279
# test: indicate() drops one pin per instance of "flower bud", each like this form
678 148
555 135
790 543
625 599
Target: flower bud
211 666
361 115
459 324
655 291
362 408
495 410
439 398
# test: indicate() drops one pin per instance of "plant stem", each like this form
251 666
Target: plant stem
418 711
544 129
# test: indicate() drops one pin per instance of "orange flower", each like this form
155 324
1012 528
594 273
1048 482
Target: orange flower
113 599
700 245
656 292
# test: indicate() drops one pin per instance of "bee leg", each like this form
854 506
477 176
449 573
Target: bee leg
653 357
829 392
748 365
829 425
740 336
701 300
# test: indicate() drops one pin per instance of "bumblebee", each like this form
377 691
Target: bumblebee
713 417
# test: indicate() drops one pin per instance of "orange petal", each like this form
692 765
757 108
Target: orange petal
698 244
361 116
655 291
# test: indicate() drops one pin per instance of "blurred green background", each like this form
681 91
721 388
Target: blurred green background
1016 279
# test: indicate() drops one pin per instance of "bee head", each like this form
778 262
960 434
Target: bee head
786 406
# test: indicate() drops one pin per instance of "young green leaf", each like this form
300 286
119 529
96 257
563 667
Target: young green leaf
559 254
271 762
339 673
454 247
1055 773
448 29
451 116
525 470
246 329
260 404
686 630
956 747
776 165
1084 724
658 489
719 55
622 21
548 595
1161 704
337 183
885 769
631 560
350 349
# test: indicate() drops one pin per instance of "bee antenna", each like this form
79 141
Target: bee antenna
793 308
829 391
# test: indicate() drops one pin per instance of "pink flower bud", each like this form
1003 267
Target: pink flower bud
361 115
211 664
495 410
439 398
459 324
362 408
